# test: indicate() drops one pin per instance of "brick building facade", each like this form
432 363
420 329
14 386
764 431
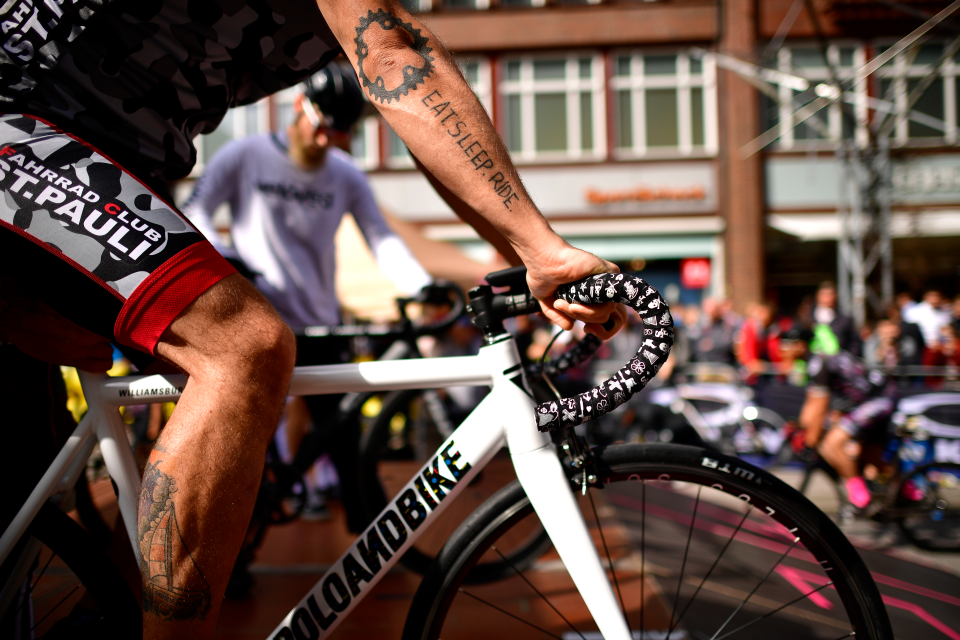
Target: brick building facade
631 139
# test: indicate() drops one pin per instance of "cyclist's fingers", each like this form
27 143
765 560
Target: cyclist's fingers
619 318
594 313
557 317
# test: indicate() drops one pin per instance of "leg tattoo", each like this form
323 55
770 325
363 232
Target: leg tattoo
167 592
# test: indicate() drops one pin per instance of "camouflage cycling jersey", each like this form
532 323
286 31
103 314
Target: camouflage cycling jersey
139 79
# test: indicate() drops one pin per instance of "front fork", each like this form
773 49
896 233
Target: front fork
543 479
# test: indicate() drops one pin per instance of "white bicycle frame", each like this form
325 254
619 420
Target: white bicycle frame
506 416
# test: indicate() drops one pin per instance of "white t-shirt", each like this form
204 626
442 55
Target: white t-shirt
284 222
929 319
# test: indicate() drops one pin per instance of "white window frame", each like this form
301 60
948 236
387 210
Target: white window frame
238 129
394 162
484 85
834 117
900 72
283 105
422 6
637 83
572 86
478 5
369 159
533 4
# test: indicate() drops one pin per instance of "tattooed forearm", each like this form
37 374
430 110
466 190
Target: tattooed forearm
173 585
416 66
463 136
417 61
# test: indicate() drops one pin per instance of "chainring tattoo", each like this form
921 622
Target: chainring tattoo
412 76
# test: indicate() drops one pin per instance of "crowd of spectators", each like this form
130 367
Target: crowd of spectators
910 333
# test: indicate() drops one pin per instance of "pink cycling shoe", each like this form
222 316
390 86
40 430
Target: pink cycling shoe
857 492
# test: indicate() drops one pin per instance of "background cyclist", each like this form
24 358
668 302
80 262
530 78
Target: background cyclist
94 237
853 405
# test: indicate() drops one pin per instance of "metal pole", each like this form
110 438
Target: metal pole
843 213
886 244
857 229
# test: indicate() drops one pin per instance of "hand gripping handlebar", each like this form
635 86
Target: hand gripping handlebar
657 326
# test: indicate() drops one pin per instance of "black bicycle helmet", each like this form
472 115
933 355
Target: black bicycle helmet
337 93
797 333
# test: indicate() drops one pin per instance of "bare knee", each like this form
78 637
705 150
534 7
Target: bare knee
231 336
269 351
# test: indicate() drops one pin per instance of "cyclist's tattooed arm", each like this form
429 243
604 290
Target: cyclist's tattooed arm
173 585
415 83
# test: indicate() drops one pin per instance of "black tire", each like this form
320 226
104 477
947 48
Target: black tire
933 521
71 567
667 476
401 405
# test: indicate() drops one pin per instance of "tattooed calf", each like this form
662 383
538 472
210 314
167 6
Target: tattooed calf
169 592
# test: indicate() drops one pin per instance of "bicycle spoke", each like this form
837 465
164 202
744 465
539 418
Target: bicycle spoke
643 551
26 596
537 591
777 610
40 621
526 622
686 551
759 584
712 567
609 559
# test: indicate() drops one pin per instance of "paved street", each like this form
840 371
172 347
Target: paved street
921 590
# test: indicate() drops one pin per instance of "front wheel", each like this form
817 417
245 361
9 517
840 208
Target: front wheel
696 545
74 590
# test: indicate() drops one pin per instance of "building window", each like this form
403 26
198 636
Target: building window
416 6
365 145
466 4
396 154
933 116
239 122
839 120
664 104
553 107
476 71
522 3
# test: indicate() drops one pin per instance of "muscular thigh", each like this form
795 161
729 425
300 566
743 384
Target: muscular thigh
91 240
